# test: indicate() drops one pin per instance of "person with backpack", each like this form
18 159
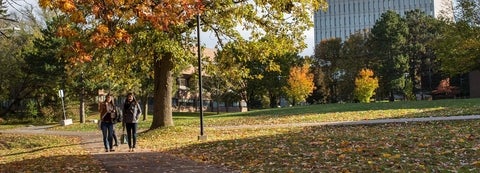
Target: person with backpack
131 114
108 114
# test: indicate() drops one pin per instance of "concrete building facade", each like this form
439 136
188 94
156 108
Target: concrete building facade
345 17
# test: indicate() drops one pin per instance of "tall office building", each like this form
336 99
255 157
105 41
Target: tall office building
345 17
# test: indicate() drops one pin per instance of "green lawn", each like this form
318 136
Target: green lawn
407 147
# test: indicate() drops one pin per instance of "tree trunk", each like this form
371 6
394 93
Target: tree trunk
162 94
146 110
273 100
392 97
144 101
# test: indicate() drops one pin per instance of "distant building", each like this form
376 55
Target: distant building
186 100
345 17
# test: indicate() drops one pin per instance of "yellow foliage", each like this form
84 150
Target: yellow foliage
67 5
45 3
66 31
300 83
78 17
102 29
365 85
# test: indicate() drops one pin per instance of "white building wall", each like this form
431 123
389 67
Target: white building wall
345 17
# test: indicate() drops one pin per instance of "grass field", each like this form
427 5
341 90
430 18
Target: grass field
407 147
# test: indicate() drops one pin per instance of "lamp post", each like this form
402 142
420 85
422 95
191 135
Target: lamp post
82 99
202 136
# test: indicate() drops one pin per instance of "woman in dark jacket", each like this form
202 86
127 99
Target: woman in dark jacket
131 114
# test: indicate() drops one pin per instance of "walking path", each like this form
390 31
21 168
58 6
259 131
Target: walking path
143 160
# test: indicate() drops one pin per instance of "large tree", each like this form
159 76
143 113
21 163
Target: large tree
422 29
300 84
326 59
18 83
387 40
46 71
108 23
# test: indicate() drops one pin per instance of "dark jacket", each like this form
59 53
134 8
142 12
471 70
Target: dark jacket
131 112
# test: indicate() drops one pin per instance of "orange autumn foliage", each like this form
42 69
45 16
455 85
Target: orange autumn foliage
111 18
300 83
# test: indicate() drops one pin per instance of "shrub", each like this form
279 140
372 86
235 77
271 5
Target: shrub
365 85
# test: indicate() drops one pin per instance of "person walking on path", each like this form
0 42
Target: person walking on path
107 116
131 114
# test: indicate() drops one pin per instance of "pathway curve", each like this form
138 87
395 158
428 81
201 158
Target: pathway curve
144 160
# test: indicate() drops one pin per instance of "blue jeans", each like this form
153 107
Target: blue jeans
107 132
131 134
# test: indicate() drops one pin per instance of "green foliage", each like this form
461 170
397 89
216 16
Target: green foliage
457 49
17 81
31 109
408 90
388 40
423 30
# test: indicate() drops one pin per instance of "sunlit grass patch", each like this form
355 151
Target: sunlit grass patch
10 126
315 114
44 153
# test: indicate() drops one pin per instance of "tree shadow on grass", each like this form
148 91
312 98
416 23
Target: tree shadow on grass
404 147
58 163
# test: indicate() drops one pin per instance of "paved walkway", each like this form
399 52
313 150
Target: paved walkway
143 160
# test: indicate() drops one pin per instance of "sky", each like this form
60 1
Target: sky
207 39
310 40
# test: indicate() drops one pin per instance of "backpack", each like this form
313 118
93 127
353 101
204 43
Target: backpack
117 117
